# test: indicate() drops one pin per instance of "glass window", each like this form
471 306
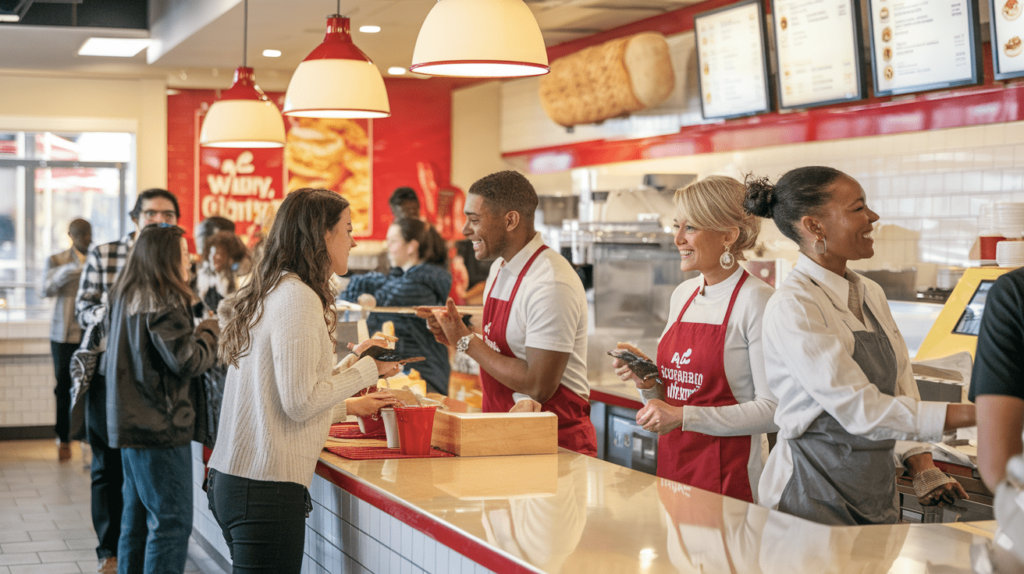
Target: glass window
47 180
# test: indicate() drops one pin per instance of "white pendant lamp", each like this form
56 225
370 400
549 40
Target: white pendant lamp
480 39
337 80
243 117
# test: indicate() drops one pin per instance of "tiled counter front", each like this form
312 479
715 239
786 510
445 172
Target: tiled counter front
26 378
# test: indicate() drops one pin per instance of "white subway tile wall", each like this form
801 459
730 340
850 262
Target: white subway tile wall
933 183
345 534
26 390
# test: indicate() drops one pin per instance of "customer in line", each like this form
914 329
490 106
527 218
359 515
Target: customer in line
839 366
710 357
418 276
997 383
60 279
281 393
153 352
102 267
217 274
533 352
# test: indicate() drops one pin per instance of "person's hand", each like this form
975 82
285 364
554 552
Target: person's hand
449 321
427 313
370 404
525 406
385 369
626 374
942 495
367 301
660 417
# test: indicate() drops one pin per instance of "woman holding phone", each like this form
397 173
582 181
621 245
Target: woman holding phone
713 407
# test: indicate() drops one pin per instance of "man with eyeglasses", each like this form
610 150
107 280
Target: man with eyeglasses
102 267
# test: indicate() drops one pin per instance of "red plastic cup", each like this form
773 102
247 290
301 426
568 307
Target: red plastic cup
371 424
988 246
415 425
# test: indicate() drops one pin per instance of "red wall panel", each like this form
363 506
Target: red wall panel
419 130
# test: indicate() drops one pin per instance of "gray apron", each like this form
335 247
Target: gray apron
844 479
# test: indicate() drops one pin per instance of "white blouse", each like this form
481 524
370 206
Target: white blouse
809 345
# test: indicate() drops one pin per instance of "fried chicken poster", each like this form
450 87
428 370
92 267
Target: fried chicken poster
333 154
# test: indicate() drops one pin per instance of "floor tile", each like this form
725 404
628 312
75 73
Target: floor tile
19 558
66 555
60 568
37 546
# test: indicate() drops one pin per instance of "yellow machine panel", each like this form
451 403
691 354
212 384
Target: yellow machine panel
956 328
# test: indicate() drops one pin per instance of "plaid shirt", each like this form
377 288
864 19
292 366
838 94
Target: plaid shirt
102 266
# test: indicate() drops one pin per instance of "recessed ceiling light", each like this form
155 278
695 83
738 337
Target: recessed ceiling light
8 16
396 71
114 47
272 53
369 29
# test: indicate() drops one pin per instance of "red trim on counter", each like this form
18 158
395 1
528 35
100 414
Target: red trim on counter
482 554
610 399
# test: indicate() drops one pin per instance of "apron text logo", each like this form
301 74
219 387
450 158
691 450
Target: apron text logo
680 360
681 384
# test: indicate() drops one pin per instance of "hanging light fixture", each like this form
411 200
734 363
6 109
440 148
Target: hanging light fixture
480 39
337 80
243 117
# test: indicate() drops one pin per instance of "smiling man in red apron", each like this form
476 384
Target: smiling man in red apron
533 349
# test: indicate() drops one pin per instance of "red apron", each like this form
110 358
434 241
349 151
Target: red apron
690 360
575 431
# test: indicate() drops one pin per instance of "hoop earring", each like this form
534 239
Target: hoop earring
820 249
727 260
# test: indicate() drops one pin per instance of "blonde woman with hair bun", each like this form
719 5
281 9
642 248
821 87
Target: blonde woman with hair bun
712 407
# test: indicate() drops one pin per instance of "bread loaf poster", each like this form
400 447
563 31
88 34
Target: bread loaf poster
333 154
243 185
1007 35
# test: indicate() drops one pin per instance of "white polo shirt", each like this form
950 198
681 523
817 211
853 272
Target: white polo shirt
549 311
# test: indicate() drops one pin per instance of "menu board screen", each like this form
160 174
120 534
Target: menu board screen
731 57
817 51
1007 31
919 45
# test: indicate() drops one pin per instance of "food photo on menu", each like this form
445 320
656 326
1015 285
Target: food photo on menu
1007 30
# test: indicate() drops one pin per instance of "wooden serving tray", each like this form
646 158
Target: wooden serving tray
495 434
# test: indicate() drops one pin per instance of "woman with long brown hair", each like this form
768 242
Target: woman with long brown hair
153 353
281 393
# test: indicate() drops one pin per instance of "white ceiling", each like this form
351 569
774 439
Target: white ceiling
198 43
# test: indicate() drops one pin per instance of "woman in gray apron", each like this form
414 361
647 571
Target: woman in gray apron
839 367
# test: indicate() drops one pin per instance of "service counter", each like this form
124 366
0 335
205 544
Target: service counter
571 513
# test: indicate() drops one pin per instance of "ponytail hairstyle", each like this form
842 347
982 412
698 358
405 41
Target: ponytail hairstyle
296 244
716 203
432 248
800 192
151 278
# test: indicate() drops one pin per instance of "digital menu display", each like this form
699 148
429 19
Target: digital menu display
1007 31
732 62
817 52
919 45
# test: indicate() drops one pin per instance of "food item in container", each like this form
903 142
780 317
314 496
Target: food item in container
1011 9
1013 47
605 81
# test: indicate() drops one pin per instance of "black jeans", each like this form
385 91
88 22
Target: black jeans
107 473
264 522
62 371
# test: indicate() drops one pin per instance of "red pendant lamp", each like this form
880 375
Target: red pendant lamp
243 117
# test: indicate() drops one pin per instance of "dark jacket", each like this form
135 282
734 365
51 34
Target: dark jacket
150 361
423 284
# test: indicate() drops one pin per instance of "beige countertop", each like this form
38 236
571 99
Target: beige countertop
570 513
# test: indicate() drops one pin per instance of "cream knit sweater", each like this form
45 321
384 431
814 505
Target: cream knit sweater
280 401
